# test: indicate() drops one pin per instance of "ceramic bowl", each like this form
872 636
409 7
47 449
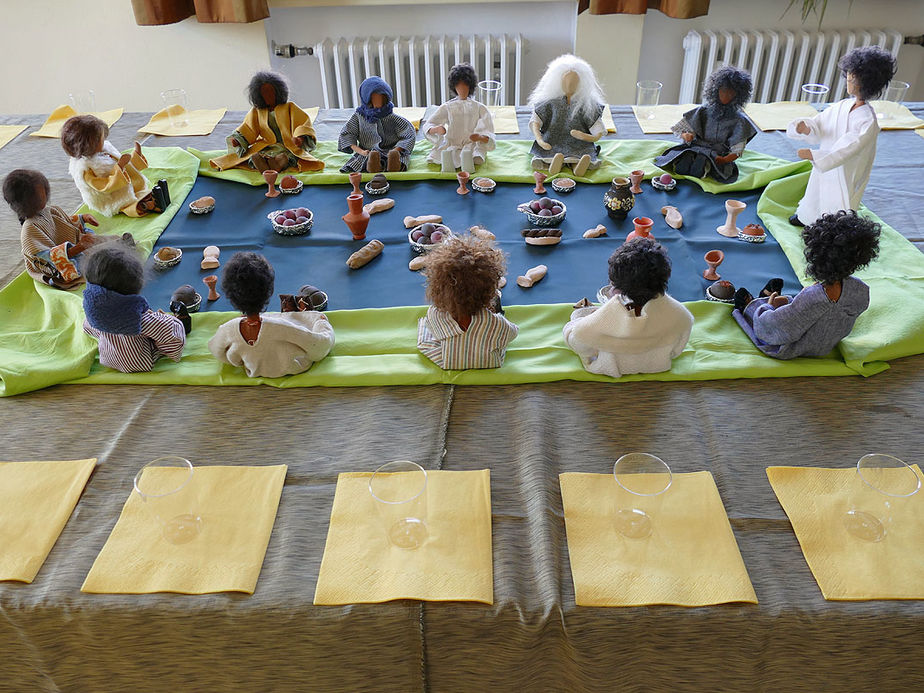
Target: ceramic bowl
197 208
536 220
604 293
424 247
323 304
167 257
291 191
377 191
711 297
563 185
295 229
750 237
658 185
194 306
482 184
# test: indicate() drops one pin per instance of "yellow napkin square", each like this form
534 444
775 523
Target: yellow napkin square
505 120
847 568
200 122
238 509
36 498
413 113
313 113
608 119
455 564
920 131
52 126
897 117
665 116
8 133
690 559
778 115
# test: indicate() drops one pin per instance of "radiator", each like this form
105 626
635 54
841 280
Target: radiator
417 67
780 62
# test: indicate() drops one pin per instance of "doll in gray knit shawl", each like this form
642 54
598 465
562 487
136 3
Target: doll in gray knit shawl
567 115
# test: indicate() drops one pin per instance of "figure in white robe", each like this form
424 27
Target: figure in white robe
461 118
846 134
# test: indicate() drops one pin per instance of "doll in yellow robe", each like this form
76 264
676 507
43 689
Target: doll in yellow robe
276 134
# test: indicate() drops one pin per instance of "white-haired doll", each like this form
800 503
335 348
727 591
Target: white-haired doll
567 114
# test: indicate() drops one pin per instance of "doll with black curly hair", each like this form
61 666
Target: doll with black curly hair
276 134
266 345
714 135
845 133
641 328
821 315
132 337
461 329
461 128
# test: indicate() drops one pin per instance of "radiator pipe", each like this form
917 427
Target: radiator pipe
915 40
288 50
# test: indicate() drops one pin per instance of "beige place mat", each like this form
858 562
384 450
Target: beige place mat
36 499
200 122
778 115
55 121
665 117
238 509
8 133
413 113
608 119
505 120
690 559
920 131
897 117
845 567
360 565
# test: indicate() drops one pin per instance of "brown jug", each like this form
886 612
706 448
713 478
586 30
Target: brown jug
357 219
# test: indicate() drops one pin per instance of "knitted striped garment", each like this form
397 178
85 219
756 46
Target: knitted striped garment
161 335
482 345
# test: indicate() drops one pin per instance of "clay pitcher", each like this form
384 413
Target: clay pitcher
642 228
618 200
357 219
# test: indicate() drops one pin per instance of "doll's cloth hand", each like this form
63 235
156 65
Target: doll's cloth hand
437 130
478 138
727 159
359 150
89 219
583 136
687 137
124 160
805 153
802 128
776 300
542 143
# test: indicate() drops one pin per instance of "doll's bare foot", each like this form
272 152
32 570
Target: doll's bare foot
374 162
259 162
280 162
774 286
394 160
580 168
557 162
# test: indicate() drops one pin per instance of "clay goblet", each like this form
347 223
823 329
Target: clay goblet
269 175
462 177
355 179
728 229
210 281
636 178
713 258
540 179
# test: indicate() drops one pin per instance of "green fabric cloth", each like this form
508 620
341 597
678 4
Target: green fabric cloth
42 341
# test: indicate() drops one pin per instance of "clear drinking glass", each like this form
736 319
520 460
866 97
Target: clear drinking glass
489 93
400 493
882 485
641 482
166 488
815 93
895 92
83 101
647 94
176 97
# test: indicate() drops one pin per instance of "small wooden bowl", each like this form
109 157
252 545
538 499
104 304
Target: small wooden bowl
167 257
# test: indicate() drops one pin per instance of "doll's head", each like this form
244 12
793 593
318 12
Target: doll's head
559 79
247 281
463 75
26 191
839 244
115 266
462 275
728 87
83 135
639 270
376 97
868 71
267 89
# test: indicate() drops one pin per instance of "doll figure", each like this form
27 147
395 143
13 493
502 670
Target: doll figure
714 134
846 134
821 315
276 134
378 138
567 114
461 329
266 345
461 126
132 337
641 328
52 240
109 181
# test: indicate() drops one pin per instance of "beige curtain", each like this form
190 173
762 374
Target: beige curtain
153 12
679 9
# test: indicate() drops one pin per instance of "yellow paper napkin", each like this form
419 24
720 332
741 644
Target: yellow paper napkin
505 120
359 564
200 122
36 498
845 567
897 117
665 116
238 509
778 115
52 126
690 559
413 113
8 133
920 131
608 119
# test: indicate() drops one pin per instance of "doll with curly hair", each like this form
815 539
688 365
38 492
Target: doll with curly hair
276 134
641 328
845 133
714 135
378 138
266 345
567 118
461 329
821 315
461 127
